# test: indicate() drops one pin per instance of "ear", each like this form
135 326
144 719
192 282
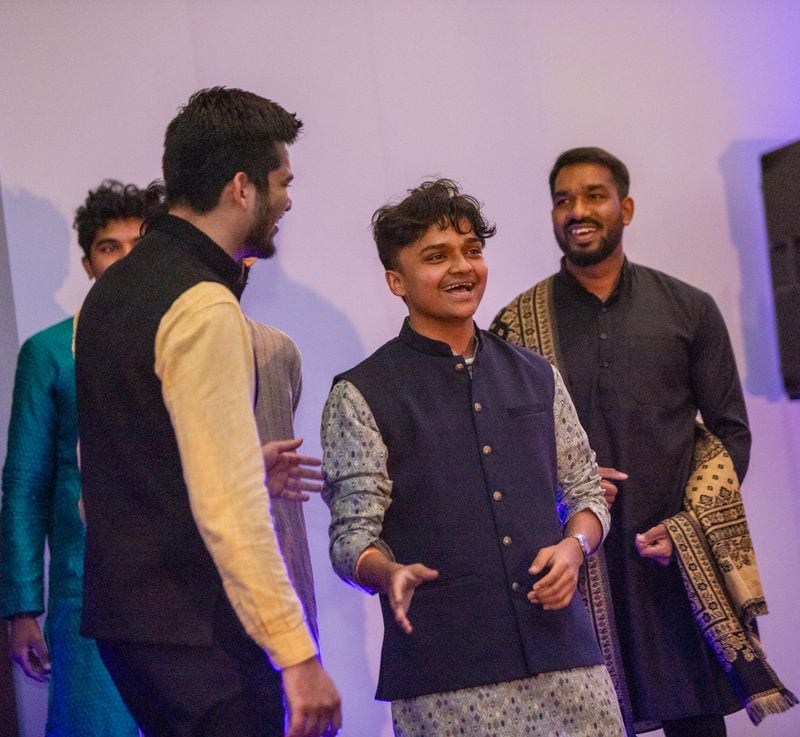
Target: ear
87 267
396 283
627 210
241 190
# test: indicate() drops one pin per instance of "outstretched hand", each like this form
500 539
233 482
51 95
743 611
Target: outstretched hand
289 475
403 581
655 544
28 648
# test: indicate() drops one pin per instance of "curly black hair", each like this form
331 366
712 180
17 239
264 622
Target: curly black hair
113 200
434 202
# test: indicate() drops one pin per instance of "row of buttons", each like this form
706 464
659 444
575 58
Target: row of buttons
496 494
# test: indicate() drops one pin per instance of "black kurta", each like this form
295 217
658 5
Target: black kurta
639 367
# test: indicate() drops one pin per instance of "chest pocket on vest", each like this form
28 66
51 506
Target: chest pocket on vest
524 410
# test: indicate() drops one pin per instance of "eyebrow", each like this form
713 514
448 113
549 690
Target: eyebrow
587 188
433 246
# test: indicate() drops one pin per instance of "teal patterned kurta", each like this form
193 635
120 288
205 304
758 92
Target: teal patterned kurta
41 488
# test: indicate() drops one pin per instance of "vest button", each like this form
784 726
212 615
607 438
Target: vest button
507 541
516 586
477 406
497 496
487 450
460 367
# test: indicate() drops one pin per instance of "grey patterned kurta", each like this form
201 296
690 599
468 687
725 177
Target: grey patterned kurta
576 703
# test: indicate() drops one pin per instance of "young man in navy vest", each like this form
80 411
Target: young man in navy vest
462 489
185 587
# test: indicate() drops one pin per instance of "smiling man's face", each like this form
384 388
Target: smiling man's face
588 215
441 277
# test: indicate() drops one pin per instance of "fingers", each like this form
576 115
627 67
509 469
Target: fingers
610 492
654 533
655 544
557 587
306 460
286 446
610 489
313 702
611 473
402 584
541 560
34 665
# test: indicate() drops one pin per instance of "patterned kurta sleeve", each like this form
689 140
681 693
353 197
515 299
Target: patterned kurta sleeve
357 486
578 480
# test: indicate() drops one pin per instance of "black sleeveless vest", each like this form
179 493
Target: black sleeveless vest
148 575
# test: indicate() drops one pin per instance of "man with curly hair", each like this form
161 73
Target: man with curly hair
41 489
467 496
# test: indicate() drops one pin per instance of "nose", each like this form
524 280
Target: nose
460 263
579 208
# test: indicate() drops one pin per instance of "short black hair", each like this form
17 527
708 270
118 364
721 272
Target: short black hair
434 202
112 200
593 155
220 132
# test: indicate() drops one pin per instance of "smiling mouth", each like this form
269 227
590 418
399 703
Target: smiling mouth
582 233
460 287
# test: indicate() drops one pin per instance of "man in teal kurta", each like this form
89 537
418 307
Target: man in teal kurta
41 490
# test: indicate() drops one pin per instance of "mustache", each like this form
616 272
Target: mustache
582 221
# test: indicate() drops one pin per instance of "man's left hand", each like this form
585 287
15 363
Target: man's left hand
655 544
289 475
557 587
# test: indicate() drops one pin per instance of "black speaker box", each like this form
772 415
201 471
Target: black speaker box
780 182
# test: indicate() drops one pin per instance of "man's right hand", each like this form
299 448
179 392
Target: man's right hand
315 707
403 582
28 648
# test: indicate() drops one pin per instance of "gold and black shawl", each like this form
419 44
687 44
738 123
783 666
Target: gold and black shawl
711 541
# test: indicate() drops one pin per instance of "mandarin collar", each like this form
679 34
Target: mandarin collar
431 347
202 247
577 290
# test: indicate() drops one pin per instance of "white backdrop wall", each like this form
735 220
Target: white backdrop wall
688 94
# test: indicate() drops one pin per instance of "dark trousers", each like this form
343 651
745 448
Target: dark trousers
708 725
228 688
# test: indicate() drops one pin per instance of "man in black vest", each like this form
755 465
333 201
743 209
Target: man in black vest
184 584
463 490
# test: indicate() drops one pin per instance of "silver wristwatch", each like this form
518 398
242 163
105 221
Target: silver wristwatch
583 542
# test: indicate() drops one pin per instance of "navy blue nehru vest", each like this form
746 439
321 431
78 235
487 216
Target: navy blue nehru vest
472 461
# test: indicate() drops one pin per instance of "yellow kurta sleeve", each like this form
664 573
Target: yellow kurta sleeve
204 359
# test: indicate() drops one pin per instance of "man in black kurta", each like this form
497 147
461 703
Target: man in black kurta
642 353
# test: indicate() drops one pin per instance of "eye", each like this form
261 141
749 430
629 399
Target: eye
560 201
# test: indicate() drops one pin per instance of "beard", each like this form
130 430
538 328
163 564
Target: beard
260 242
580 257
